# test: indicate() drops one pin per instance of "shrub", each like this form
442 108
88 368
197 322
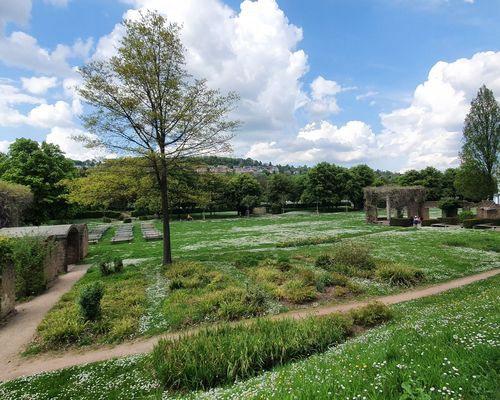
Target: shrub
373 314
400 275
105 268
29 255
213 357
429 222
249 260
353 254
404 222
191 275
449 205
127 220
118 265
298 292
323 280
466 215
106 220
90 301
470 223
339 279
324 261
450 220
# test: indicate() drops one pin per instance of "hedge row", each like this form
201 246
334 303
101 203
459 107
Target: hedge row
406 222
470 223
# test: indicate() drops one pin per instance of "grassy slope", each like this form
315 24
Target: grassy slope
445 346
151 308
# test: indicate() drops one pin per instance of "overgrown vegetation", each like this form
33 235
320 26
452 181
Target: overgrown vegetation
399 274
29 255
214 357
90 301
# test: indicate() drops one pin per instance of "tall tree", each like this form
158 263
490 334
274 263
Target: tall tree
244 192
279 190
481 147
41 167
143 101
361 177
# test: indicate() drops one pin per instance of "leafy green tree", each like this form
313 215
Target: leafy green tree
14 200
243 192
41 167
481 148
326 184
143 101
361 176
279 190
430 178
298 185
448 183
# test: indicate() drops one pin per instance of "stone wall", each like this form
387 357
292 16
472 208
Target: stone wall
488 209
55 262
7 290
84 240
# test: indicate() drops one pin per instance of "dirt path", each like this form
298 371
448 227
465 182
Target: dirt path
49 362
16 334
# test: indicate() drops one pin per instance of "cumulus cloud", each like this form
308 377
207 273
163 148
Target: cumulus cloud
17 11
11 97
39 85
324 102
4 146
253 52
426 132
64 137
49 115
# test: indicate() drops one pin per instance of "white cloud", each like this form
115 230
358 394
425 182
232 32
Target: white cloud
64 137
427 132
58 3
11 97
4 146
324 102
39 85
367 95
50 115
253 51
17 11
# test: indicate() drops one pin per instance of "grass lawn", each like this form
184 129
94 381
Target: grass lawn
445 346
236 268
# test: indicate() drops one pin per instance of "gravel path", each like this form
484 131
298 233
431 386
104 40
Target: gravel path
19 329
16 366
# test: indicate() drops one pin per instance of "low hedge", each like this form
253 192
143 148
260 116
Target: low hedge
405 222
222 355
429 222
450 220
470 223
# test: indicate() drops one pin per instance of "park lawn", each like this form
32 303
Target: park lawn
443 346
248 273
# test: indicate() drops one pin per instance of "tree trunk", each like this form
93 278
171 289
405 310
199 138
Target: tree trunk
167 249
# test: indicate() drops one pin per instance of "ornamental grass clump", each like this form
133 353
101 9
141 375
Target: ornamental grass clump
400 275
371 315
90 301
213 357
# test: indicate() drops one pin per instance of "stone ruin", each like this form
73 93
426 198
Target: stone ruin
71 246
398 200
487 209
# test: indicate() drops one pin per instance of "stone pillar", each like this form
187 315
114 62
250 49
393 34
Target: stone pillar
7 290
424 213
388 207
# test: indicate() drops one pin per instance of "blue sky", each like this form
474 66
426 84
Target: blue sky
382 82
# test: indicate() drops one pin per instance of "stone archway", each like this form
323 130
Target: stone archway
398 199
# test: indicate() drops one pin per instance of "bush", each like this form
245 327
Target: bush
466 215
449 205
192 275
353 254
470 223
90 301
105 268
400 275
127 220
298 292
404 222
106 220
371 315
249 260
339 279
324 261
28 256
214 357
118 265
429 222
450 220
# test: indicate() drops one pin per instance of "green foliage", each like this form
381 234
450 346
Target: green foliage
298 291
371 315
470 223
28 256
400 274
449 204
326 184
14 200
118 265
403 222
353 254
5 251
279 188
473 183
324 261
108 267
436 183
243 191
482 133
90 301
41 167
465 215
215 357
